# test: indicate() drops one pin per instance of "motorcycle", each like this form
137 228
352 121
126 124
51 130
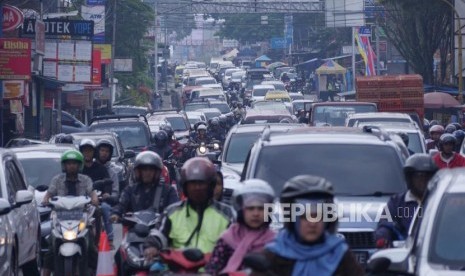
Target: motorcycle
131 251
179 262
72 220
206 150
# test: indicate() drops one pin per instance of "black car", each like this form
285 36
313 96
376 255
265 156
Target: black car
129 110
133 130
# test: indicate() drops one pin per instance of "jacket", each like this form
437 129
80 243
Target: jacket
180 221
136 198
456 161
283 267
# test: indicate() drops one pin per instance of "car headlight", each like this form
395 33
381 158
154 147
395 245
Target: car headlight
69 235
202 149
216 146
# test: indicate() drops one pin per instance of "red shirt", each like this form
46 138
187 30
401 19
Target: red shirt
456 161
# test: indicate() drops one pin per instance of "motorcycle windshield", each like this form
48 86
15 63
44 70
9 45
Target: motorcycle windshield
75 214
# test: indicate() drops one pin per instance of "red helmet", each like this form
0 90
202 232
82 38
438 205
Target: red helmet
198 169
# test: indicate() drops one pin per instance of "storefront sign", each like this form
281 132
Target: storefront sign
96 14
96 67
13 89
40 37
15 58
61 27
105 49
12 18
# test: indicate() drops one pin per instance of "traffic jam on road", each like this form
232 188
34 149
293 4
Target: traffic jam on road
248 141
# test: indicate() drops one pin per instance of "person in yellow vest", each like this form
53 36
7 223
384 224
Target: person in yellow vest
197 222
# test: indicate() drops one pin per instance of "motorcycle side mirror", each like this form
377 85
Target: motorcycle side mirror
42 188
141 230
193 254
257 262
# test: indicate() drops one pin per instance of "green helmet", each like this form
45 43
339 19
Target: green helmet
73 155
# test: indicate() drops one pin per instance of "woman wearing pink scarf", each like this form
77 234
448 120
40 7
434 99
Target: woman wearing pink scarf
250 234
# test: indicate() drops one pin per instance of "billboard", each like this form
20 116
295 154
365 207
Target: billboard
96 14
15 61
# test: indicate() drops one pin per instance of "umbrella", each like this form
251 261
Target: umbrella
437 100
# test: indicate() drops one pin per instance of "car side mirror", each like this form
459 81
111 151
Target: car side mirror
23 197
128 154
379 265
5 206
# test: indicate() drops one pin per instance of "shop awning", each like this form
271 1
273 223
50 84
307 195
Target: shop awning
49 83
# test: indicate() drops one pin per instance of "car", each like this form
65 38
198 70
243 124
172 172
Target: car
416 138
155 123
210 112
296 96
177 121
194 106
9 258
195 117
204 81
435 242
133 130
129 110
178 75
300 105
271 105
259 91
21 142
375 117
69 123
276 95
222 106
228 75
24 218
278 85
256 116
335 113
208 93
353 160
241 138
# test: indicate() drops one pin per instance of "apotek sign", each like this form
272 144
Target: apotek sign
61 27
12 18
15 59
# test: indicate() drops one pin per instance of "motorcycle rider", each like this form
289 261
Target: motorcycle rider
201 135
215 130
196 222
459 135
239 112
302 117
450 128
307 246
92 169
435 132
71 183
172 142
418 170
446 157
250 233
285 78
148 192
161 145
104 150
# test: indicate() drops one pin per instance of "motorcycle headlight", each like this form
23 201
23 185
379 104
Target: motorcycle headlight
216 146
202 149
69 235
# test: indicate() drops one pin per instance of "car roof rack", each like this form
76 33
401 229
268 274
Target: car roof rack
118 117
379 132
164 110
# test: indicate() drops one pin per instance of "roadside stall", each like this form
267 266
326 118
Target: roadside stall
330 76
442 107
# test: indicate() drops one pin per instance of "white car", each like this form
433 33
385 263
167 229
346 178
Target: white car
259 91
23 218
435 243
373 117
278 85
195 117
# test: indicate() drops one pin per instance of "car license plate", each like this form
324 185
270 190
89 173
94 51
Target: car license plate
361 257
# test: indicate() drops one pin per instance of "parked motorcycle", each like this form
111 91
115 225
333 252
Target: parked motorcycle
72 222
131 250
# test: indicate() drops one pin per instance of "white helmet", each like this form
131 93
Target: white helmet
87 142
253 191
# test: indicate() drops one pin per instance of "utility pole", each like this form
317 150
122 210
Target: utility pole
378 64
155 62
112 64
354 29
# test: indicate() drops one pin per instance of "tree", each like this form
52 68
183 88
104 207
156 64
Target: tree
417 28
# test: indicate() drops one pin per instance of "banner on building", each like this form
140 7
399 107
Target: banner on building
15 61
105 50
365 49
13 89
96 67
96 14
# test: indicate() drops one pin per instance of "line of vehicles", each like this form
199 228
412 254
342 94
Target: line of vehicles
271 135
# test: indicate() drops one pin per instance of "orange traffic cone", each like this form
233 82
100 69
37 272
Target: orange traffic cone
105 264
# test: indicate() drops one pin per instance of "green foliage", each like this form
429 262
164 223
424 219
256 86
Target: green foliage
417 28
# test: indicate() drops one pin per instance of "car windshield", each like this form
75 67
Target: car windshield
351 170
377 120
210 115
448 240
336 115
205 81
261 92
40 171
239 146
270 105
223 107
279 86
194 107
77 141
177 123
132 136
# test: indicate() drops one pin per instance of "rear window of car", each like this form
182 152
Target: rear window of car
223 107
352 122
177 123
132 136
194 107
353 169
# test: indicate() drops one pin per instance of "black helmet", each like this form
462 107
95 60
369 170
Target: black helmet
59 137
104 143
420 162
215 121
447 138
161 138
168 129
148 158
64 139
450 128
303 186
198 169
457 126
